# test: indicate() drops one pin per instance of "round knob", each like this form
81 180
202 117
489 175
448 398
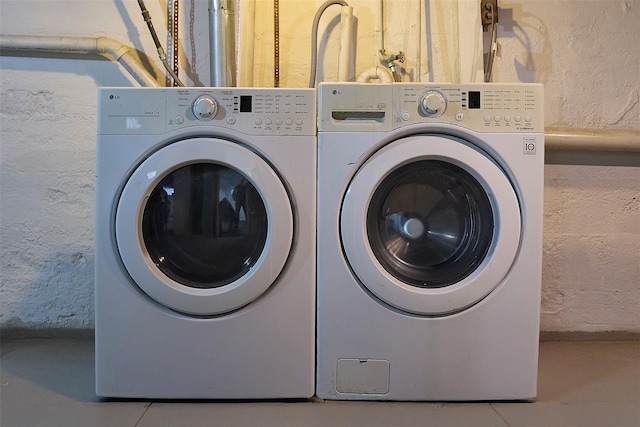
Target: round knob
432 104
205 107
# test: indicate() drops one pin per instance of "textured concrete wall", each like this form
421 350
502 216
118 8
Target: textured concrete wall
585 52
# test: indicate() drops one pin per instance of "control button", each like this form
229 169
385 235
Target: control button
278 122
268 121
517 118
487 118
231 120
496 117
258 122
288 122
179 120
406 116
507 118
459 117
527 118
432 104
299 122
204 107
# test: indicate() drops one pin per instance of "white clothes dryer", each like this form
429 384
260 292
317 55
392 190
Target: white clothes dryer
430 201
205 243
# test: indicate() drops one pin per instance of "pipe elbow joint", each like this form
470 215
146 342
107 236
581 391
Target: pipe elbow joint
376 73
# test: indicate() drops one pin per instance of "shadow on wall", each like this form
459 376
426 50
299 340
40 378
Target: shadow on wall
533 36
56 293
103 71
135 24
591 242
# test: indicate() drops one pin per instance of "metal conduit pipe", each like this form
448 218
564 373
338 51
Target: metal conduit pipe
102 45
590 140
222 41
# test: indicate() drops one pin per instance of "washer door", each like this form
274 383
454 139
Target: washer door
204 226
430 225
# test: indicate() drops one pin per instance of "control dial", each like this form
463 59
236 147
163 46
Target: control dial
432 104
205 107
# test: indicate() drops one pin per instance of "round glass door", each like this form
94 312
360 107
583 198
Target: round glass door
204 226
430 225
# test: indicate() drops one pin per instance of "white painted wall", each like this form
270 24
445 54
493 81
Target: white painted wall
585 52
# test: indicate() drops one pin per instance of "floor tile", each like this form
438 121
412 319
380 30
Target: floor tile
50 382
589 372
556 414
74 414
320 414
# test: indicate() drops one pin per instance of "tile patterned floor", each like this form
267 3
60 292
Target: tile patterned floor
49 382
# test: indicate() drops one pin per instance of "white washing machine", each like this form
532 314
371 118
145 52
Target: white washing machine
205 243
430 201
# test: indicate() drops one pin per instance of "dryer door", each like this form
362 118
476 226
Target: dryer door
430 225
204 226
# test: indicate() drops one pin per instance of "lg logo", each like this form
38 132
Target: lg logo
529 145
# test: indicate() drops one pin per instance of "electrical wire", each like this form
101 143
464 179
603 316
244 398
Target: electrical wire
488 68
156 41
314 38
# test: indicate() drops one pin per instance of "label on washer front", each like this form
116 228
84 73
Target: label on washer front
529 144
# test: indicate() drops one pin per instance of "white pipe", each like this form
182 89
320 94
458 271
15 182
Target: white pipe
247 13
380 29
103 45
123 55
627 141
346 36
377 72
470 42
421 16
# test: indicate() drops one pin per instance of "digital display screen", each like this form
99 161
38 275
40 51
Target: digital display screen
474 100
245 103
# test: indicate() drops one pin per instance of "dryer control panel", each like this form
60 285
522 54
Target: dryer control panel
481 107
151 111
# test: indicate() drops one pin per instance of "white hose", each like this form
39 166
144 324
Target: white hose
103 45
346 35
314 38
377 72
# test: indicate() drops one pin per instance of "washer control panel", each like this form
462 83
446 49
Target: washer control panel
268 111
485 107
481 107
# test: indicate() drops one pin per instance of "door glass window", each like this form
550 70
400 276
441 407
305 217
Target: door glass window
204 225
430 223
